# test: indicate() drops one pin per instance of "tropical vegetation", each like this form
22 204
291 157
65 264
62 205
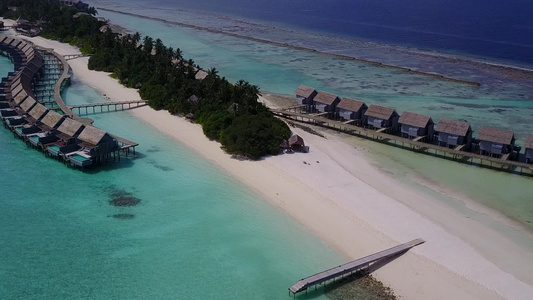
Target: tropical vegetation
229 113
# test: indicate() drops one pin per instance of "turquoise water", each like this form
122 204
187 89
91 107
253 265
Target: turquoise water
196 234
79 157
500 101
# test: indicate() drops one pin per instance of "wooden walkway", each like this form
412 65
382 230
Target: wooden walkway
120 105
418 146
352 266
74 56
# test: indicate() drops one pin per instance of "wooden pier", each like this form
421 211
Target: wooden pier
351 267
74 56
111 106
381 135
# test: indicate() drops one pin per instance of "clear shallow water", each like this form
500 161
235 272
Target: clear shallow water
196 234
506 103
500 102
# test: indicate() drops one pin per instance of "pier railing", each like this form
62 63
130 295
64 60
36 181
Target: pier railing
351 267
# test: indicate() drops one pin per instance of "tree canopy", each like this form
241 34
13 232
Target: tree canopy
228 113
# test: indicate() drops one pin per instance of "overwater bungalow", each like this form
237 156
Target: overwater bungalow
305 96
381 117
48 126
69 130
66 134
415 125
494 141
351 109
95 144
528 145
326 102
454 134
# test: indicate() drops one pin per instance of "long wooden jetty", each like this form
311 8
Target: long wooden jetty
119 105
351 267
381 135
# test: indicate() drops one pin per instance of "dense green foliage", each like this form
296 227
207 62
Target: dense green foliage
229 113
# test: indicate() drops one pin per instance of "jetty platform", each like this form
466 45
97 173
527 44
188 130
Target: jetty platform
351 267
384 136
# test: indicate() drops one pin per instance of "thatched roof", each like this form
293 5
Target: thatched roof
414 119
16 89
92 135
8 41
22 45
20 97
27 104
529 141
305 91
38 111
25 47
378 111
351 104
495 135
296 140
325 98
51 119
453 127
69 127
200 75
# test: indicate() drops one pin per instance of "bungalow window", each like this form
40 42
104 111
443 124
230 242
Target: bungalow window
452 139
377 123
413 131
496 148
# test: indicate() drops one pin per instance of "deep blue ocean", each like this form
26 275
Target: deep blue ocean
498 30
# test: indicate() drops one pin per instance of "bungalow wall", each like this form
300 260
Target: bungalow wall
494 148
307 101
413 131
321 107
380 123
351 115
529 155
455 140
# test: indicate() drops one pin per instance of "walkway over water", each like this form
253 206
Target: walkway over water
351 267
120 105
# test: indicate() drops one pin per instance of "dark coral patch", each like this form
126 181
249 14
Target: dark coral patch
124 201
124 216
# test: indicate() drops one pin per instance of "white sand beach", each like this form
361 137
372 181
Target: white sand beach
345 200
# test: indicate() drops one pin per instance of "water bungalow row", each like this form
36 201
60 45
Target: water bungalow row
457 136
61 134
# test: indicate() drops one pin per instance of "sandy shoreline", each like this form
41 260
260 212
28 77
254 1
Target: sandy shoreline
349 204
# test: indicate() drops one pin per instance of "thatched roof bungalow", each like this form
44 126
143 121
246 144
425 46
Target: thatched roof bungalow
97 139
326 102
528 145
382 117
351 109
415 125
495 141
69 129
52 120
305 96
454 133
